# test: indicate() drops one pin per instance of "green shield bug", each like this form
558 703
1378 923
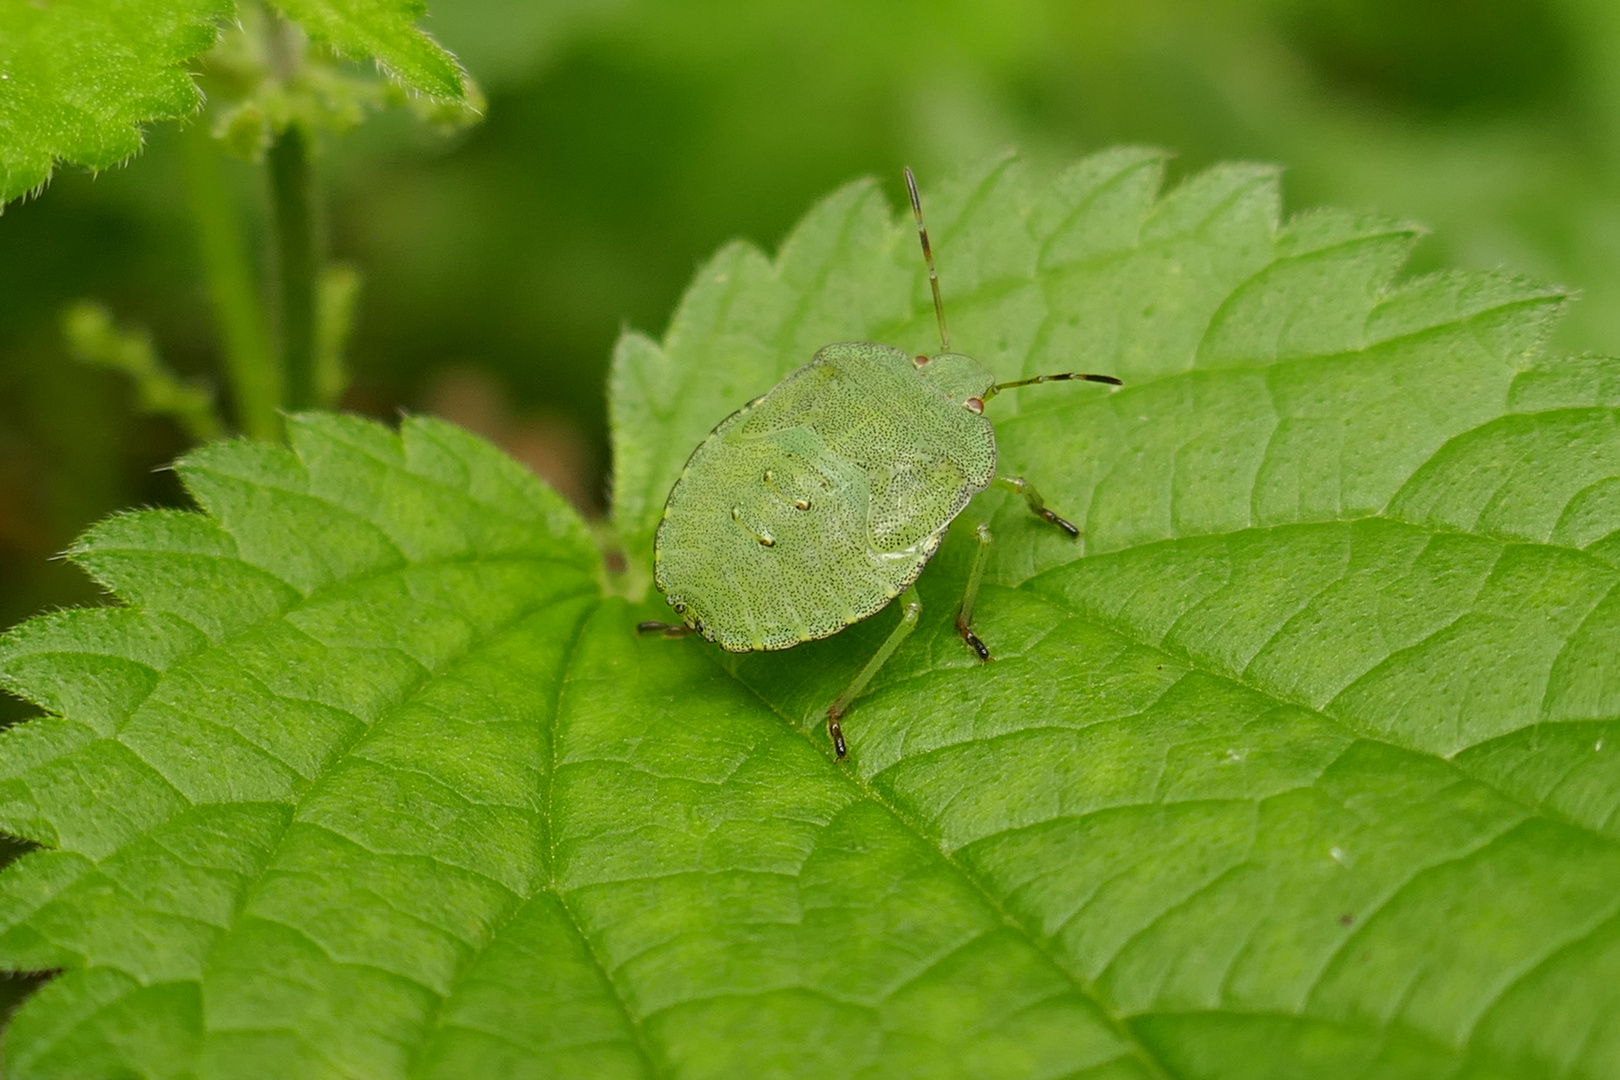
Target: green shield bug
812 507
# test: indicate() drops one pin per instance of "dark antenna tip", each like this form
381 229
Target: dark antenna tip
928 258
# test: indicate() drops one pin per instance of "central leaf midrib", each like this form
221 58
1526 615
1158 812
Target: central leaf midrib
638 1036
1040 943
864 790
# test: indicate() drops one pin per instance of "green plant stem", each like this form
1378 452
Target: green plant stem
250 363
292 192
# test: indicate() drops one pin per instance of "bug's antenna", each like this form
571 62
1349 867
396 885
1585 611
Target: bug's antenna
1062 377
928 257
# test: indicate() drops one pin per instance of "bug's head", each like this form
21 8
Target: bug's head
960 378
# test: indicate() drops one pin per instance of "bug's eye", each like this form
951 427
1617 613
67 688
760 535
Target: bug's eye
974 406
919 360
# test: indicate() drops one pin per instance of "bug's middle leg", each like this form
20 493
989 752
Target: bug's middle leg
909 614
964 614
1037 505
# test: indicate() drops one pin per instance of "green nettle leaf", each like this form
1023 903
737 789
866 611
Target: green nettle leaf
1304 763
78 78
385 31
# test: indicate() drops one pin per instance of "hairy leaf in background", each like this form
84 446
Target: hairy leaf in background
78 78
383 30
1305 768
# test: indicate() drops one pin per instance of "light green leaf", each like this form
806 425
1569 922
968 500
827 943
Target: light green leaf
384 31
79 77
1305 765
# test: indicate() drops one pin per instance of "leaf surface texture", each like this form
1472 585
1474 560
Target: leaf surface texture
1303 763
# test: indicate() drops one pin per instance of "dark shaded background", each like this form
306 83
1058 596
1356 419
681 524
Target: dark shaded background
626 139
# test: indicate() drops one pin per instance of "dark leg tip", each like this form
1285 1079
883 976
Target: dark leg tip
1062 523
651 627
972 639
976 645
836 730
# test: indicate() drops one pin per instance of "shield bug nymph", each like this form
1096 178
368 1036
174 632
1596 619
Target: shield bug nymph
812 507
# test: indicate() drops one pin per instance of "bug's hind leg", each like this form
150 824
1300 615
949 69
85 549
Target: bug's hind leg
964 614
909 614
1037 505
669 630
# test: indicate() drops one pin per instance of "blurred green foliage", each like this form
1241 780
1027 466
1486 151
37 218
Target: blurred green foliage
623 140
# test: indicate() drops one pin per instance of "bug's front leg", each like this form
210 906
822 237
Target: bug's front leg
1037 505
909 614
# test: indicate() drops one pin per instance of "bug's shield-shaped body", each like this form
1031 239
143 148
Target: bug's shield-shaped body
814 506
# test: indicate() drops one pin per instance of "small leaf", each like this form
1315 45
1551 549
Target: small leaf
1303 763
94 340
385 31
